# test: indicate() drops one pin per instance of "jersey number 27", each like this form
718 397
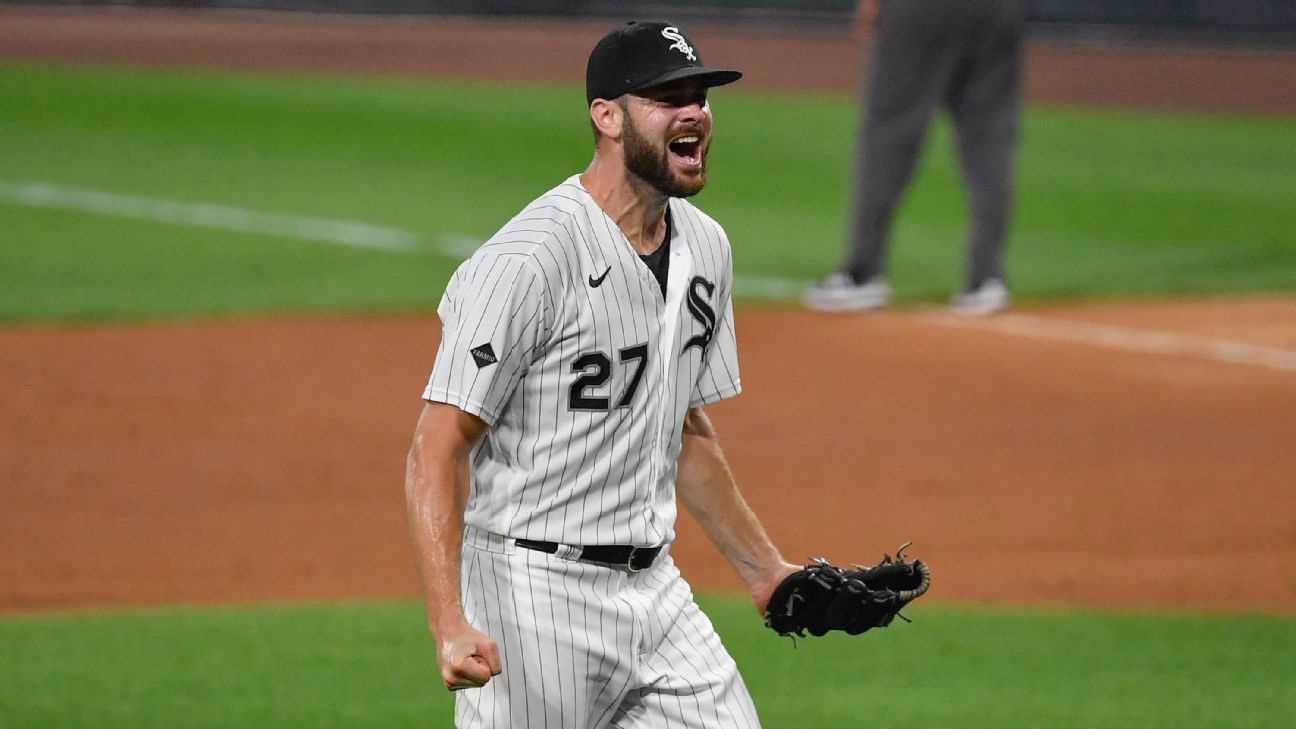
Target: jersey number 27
595 369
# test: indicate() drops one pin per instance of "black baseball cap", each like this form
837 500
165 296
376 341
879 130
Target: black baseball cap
642 54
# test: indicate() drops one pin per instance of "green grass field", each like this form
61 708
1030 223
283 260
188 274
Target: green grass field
1110 204
370 664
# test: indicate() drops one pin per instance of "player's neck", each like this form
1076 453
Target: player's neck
637 208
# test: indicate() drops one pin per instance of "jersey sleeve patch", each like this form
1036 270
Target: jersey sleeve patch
494 299
483 355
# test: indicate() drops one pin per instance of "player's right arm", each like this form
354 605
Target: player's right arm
436 490
494 319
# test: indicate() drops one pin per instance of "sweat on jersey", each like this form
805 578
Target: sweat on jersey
558 336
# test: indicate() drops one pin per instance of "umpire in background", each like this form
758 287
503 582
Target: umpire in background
963 55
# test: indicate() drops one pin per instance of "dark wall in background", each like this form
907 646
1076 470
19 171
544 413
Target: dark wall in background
1238 14
801 9
1203 19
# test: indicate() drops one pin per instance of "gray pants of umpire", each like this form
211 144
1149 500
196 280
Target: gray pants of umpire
963 55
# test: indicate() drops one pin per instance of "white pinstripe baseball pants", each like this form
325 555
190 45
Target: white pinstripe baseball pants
587 646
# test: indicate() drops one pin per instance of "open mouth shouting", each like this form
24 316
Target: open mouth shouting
686 150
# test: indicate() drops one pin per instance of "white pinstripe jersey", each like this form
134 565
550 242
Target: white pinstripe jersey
558 336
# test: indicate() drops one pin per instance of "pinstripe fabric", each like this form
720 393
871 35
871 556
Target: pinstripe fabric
559 337
587 646
552 467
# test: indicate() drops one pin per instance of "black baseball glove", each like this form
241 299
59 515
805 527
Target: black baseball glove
824 597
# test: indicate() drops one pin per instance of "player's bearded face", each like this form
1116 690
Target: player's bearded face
674 164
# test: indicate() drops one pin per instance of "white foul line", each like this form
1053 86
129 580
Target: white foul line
327 230
769 287
1125 338
206 215
365 235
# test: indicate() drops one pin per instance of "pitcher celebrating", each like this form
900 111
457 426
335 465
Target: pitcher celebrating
564 415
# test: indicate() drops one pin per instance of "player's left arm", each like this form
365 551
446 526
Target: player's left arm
706 487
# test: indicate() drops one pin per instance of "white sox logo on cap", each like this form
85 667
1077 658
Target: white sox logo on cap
681 45
634 58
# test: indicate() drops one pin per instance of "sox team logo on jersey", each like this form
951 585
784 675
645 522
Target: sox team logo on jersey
702 311
681 45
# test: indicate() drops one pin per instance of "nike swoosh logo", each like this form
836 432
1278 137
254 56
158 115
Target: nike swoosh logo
597 282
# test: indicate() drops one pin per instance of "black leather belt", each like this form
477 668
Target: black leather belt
620 555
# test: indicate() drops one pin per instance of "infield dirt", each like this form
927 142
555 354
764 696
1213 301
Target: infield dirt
263 459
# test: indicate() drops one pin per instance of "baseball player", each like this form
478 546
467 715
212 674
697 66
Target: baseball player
564 415
965 56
